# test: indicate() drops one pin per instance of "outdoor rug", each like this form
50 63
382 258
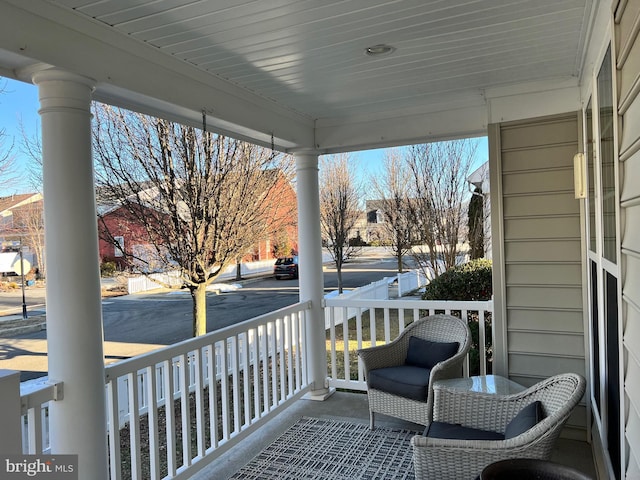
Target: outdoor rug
327 449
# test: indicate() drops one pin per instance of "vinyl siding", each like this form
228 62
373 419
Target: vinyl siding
627 40
540 285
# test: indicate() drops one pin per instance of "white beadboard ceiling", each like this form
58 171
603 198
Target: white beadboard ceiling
305 59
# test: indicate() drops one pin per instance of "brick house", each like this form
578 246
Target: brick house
132 237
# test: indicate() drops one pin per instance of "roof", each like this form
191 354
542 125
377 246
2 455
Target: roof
18 200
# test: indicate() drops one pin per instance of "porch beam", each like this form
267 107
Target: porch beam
310 274
74 313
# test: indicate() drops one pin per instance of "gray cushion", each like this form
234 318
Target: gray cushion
458 432
527 418
426 354
406 381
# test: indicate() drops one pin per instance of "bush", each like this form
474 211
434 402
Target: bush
107 269
469 281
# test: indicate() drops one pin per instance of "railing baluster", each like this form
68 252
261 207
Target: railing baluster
296 345
224 390
152 418
264 354
359 342
332 337
169 404
113 417
134 425
281 356
34 416
255 366
246 374
289 347
183 376
212 382
387 326
372 326
235 379
273 351
482 348
199 394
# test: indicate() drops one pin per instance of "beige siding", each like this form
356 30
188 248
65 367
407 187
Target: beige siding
541 292
628 63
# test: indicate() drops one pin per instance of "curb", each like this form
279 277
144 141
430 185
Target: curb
10 328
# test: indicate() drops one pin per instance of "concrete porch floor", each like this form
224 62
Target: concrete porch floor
353 407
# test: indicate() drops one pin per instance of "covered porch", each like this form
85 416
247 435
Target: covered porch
543 80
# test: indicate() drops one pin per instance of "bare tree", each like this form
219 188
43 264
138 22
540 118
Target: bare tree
339 208
29 221
393 199
202 200
7 160
31 147
439 173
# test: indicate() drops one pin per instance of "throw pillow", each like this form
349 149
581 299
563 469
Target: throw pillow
527 418
426 354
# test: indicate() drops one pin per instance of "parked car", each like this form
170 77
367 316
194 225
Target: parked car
286 267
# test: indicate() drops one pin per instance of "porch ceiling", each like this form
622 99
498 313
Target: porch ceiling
297 69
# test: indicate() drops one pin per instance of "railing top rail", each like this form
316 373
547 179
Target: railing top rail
409 304
35 394
123 367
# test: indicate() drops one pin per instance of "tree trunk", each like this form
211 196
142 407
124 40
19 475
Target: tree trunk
339 271
238 271
199 297
400 266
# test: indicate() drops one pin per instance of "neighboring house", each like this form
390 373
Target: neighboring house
13 211
375 217
132 238
21 227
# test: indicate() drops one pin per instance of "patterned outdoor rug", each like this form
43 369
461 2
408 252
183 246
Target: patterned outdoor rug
327 449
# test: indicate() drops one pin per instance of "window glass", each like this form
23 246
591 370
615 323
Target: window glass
606 118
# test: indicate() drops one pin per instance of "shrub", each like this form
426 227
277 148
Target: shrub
469 281
107 269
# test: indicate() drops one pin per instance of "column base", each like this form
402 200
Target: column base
319 395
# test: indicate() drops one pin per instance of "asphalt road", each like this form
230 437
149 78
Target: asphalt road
134 324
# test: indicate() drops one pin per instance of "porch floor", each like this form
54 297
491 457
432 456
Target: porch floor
352 407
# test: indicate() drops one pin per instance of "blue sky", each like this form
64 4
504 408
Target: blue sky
19 102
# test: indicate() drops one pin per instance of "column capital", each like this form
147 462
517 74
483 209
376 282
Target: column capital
60 89
48 74
296 152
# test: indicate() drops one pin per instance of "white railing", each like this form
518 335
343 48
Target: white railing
374 322
209 392
206 394
35 397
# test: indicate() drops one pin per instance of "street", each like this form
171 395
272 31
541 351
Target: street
135 324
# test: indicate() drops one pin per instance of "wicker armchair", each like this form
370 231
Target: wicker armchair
464 459
434 328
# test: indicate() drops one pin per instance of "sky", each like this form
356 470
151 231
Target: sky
19 103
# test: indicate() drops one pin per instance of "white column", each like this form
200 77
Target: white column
311 276
74 313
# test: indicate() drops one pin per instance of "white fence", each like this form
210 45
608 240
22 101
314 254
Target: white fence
410 281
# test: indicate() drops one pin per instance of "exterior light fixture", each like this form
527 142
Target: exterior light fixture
579 175
379 50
